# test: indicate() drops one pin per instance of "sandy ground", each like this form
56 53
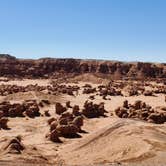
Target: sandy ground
107 141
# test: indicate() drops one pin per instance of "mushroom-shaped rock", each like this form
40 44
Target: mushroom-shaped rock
68 104
137 104
59 109
3 123
125 104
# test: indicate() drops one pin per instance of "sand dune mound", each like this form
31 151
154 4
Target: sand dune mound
122 141
33 95
88 77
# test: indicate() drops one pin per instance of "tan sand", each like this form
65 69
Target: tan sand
108 140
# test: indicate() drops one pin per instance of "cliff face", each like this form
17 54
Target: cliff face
10 66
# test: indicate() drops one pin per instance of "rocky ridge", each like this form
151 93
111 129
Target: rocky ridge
45 67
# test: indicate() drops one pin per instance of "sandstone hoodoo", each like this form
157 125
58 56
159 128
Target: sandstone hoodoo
16 110
92 110
109 91
31 108
28 108
59 108
78 121
11 89
68 104
69 130
63 88
89 90
76 110
140 110
67 126
11 110
3 123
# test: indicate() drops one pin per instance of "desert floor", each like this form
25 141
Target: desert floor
107 140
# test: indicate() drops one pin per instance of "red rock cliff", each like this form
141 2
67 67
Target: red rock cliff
13 67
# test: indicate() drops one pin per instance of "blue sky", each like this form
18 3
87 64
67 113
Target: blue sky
126 30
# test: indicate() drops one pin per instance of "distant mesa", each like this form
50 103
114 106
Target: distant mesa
10 66
7 57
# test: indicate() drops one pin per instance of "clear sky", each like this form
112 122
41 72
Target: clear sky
127 30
